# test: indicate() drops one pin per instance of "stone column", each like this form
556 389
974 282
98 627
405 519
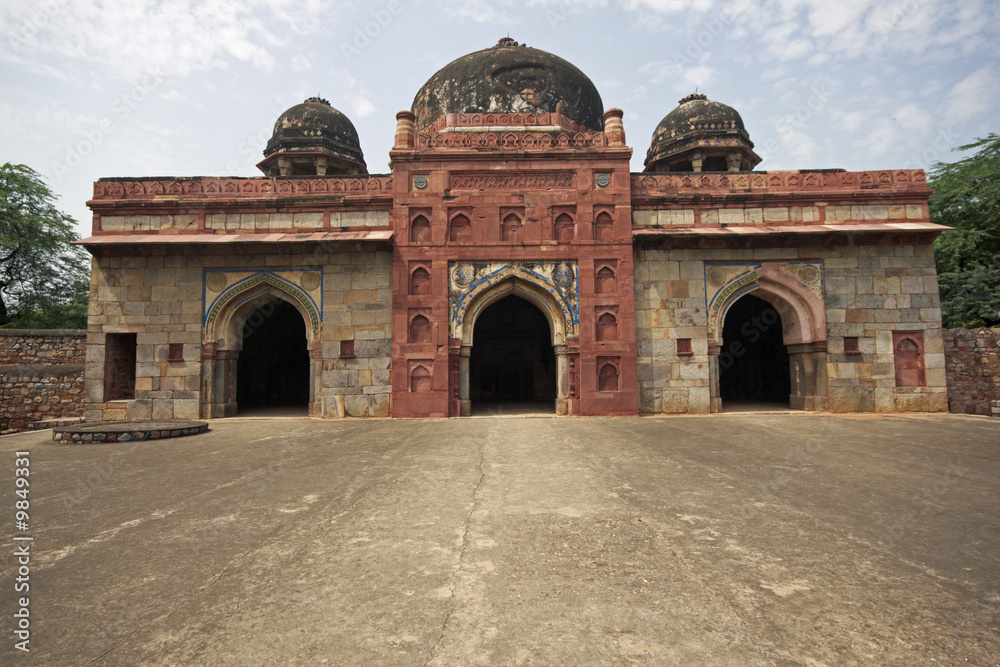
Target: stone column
715 400
734 161
696 161
316 380
562 379
464 402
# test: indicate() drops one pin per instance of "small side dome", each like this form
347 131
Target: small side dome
701 135
509 78
313 139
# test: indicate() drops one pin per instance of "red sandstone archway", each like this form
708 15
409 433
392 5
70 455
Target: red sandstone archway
516 284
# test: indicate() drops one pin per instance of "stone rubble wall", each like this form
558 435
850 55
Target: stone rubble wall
41 376
973 366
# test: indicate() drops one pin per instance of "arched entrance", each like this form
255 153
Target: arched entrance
258 349
512 364
272 369
767 323
558 323
754 362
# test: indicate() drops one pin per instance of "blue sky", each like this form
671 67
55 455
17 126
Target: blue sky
95 88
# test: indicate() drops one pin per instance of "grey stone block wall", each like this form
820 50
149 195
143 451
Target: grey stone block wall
870 291
160 298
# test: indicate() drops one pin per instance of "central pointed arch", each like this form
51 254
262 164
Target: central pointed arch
515 281
527 290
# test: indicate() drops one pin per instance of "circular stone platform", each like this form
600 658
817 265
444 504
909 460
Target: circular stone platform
97 432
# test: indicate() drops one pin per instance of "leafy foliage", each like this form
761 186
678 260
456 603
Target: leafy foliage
967 197
43 279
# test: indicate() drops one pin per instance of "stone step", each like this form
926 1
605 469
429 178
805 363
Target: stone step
43 424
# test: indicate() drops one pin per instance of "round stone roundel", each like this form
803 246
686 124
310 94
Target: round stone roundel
420 182
809 274
717 276
463 275
216 281
562 275
603 180
310 281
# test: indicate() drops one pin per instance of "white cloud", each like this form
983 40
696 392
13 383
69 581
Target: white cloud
129 38
680 77
476 11
912 117
850 121
976 94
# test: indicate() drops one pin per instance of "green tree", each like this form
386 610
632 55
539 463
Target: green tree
967 197
43 279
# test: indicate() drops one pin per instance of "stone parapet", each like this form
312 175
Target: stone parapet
173 189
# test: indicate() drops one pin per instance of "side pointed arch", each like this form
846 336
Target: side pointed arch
227 315
802 310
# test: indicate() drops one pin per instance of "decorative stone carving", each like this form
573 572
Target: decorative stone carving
558 280
231 283
518 181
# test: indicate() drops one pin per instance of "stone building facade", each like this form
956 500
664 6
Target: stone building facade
512 256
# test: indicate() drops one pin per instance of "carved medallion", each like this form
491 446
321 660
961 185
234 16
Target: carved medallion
216 281
464 274
562 275
717 276
310 281
809 274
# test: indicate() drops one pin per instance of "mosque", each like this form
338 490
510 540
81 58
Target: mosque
512 258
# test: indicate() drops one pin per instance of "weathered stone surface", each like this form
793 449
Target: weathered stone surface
973 369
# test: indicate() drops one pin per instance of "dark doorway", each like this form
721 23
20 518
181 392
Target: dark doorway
753 364
512 360
273 367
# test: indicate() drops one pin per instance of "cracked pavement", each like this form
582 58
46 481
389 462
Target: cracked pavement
725 540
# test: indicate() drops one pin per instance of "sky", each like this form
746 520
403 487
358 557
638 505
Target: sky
102 88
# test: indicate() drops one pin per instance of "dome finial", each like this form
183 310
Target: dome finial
507 41
693 96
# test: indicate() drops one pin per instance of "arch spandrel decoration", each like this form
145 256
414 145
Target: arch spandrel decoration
552 285
226 291
795 289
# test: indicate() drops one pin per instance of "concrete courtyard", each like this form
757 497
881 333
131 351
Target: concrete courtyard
795 539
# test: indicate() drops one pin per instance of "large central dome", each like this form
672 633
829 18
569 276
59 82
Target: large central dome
510 78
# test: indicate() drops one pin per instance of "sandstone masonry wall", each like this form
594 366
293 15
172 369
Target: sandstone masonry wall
973 366
870 291
161 297
41 376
